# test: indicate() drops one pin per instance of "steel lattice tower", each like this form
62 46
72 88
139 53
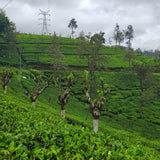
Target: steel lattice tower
44 21
2 9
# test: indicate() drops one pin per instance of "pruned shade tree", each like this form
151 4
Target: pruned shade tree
6 76
41 85
96 106
63 97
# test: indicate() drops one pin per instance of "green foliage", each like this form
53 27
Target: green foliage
86 74
30 133
5 25
5 76
122 105
71 76
36 53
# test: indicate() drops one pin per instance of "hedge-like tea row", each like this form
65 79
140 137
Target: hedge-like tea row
32 133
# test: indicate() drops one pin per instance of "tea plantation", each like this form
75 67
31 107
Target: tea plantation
28 132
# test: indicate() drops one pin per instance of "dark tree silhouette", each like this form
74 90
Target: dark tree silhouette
129 35
72 25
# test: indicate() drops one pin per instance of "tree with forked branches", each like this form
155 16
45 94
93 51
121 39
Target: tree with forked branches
96 106
6 76
63 97
90 50
41 85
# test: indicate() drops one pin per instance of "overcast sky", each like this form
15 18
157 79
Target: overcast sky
91 16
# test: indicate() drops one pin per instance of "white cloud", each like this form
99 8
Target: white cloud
92 16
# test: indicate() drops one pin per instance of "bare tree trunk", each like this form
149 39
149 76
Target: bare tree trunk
63 98
33 103
63 113
33 99
95 125
37 92
96 107
5 89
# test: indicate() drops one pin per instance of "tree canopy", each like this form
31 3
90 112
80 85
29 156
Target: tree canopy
129 35
7 28
7 34
72 25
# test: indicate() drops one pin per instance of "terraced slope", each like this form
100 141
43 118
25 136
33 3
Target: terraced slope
35 53
28 132
122 109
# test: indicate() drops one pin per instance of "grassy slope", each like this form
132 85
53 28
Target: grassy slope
28 132
36 53
124 101
123 104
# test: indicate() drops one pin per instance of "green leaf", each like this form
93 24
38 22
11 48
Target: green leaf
86 73
70 76
11 146
2 144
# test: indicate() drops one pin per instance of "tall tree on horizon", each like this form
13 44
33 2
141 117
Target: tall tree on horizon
72 25
129 35
118 35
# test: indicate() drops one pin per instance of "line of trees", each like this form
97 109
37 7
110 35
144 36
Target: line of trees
120 36
94 43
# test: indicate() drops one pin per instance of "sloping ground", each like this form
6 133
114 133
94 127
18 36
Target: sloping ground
28 132
35 53
122 107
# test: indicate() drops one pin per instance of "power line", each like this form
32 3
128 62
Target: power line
2 9
6 4
44 21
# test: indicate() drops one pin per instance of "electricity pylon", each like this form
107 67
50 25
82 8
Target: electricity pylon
44 21
2 9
